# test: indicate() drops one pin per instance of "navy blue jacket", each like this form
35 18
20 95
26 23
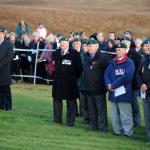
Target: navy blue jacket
118 75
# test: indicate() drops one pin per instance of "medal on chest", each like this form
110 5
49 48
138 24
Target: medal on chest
93 63
66 62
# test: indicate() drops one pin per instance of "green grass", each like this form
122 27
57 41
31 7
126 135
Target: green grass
30 127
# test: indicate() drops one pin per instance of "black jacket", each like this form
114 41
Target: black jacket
132 54
143 73
93 72
6 54
68 70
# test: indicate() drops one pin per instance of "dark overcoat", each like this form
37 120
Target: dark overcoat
132 54
6 54
93 73
68 71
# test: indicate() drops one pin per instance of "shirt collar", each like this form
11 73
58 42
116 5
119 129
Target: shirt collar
120 58
64 52
1 41
127 50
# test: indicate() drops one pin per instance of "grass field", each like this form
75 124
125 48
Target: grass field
30 127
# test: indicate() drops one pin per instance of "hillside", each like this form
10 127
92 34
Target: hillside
80 15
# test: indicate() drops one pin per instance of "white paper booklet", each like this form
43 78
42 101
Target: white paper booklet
119 91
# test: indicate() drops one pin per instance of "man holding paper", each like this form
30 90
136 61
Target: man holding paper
118 80
143 78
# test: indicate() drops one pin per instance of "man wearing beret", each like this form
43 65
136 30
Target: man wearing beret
82 86
6 54
93 70
143 78
132 54
65 85
118 80
76 45
83 36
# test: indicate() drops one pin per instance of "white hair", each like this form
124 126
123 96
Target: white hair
138 40
100 33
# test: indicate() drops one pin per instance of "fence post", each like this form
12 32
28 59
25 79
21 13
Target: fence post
35 68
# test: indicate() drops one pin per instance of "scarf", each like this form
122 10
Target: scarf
124 58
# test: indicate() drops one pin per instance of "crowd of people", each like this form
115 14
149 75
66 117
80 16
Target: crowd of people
86 68
24 61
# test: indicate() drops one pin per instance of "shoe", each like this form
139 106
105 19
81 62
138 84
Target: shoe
58 122
117 134
8 109
70 125
103 130
126 135
86 121
137 125
2 108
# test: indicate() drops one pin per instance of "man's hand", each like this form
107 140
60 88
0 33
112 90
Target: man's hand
110 88
143 87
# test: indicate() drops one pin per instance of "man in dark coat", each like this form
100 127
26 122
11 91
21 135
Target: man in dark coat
143 78
93 74
65 85
6 54
81 83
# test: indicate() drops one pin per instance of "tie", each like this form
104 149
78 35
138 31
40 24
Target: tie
62 52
